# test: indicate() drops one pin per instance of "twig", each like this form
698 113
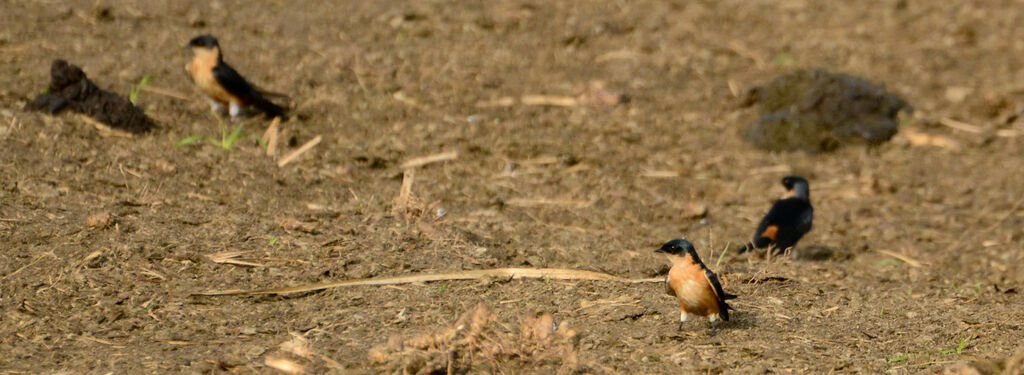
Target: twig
513 273
270 136
908 260
659 174
231 257
549 100
405 192
535 202
301 150
424 160
960 125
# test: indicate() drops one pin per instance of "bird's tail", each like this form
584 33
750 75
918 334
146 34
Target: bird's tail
270 109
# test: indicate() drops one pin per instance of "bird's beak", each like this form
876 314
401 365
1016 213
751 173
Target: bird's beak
659 250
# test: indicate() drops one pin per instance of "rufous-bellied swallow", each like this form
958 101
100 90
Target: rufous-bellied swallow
221 83
787 221
695 287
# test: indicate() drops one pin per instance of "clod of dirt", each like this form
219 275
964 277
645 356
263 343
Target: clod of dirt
819 111
99 221
291 223
71 89
478 335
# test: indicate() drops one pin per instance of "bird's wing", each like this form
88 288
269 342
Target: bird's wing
668 287
234 83
721 295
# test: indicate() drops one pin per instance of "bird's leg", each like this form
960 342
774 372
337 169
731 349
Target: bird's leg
216 107
234 109
682 318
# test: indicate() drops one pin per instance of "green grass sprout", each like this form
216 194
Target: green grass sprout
898 359
133 95
964 341
189 140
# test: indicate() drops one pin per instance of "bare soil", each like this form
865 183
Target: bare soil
918 241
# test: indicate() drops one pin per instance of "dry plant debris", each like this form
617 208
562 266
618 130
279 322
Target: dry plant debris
478 341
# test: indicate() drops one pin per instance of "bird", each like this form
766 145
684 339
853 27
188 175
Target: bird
789 219
221 83
695 287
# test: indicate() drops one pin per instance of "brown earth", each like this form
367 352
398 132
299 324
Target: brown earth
596 185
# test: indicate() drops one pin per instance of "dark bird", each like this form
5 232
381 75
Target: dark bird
221 83
695 287
787 221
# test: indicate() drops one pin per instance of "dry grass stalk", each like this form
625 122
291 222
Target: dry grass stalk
509 273
270 136
1009 133
906 259
537 202
284 365
405 204
299 151
429 159
505 101
549 100
917 138
960 125
231 257
659 174
478 335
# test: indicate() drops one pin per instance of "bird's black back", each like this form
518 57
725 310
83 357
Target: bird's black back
792 216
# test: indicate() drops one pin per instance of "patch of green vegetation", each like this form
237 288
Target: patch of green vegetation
273 241
189 140
133 95
722 255
898 359
442 288
784 59
227 140
964 341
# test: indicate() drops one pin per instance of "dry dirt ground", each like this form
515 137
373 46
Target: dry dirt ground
924 235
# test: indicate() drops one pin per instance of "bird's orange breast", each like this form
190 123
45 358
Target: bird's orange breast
692 289
200 69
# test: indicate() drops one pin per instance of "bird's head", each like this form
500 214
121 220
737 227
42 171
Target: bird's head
204 45
678 246
797 186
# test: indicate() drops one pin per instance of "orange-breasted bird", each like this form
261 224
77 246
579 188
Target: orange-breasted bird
221 83
695 287
787 221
